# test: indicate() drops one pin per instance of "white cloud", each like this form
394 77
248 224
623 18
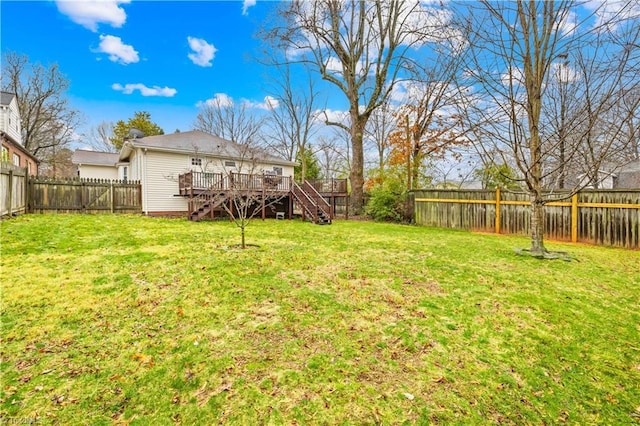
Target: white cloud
117 50
219 100
128 89
334 116
569 24
89 13
513 77
269 103
246 5
612 13
203 52
564 73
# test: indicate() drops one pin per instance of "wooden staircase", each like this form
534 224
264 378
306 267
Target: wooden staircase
209 191
203 204
312 203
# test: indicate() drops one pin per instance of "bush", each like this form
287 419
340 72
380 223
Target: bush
385 205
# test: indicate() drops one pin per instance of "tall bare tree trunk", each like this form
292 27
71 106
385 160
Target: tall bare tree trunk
537 225
356 174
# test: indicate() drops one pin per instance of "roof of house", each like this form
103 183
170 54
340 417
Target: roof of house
94 158
198 142
6 97
629 176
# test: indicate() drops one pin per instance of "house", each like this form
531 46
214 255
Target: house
96 165
195 174
617 176
628 176
11 135
159 161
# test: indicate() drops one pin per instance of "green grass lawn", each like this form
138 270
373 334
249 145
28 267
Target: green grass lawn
127 319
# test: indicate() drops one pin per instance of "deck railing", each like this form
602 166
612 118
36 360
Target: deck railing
202 181
320 202
333 186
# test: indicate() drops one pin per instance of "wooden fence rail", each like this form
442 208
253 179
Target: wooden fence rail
609 218
13 189
84 196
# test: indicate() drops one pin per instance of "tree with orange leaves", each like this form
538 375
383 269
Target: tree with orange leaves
423 132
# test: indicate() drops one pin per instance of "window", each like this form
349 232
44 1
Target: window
229 163
124 173
196 161
16 159
278 171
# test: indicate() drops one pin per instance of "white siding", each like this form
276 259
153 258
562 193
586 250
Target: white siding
216 165
158 172
161 181
98 172
10 120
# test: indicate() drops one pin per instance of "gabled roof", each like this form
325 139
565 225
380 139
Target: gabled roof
6 97
200 143
94 158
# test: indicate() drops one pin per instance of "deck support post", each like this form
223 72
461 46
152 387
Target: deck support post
263 200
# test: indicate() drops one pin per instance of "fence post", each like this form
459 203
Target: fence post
82 197
26 190
497 210
10 192
574 218
111 193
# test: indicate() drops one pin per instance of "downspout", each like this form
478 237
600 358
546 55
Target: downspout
145 192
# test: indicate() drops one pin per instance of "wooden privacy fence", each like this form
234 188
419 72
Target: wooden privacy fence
603 217
13 189
84 196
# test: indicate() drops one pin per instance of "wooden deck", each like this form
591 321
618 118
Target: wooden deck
201 181
193 183
206 191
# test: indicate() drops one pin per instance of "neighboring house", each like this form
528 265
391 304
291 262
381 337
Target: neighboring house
157 162
613 176
96 165
11 135
628 176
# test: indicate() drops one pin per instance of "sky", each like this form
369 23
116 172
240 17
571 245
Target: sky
164 57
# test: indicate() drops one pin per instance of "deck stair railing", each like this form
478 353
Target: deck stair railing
325 211
208 191
201 205
310 206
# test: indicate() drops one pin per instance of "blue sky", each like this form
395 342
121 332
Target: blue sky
176 53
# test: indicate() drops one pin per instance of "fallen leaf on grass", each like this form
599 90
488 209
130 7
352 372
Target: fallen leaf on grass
145 360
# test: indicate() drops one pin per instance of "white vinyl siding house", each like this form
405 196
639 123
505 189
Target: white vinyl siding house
95 165
10 116
157 161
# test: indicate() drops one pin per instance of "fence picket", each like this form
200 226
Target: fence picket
84 196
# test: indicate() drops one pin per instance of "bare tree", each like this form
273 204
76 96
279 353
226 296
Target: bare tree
100 137
48 121
293 122
223 117
237 182
515 48
360 47
379 127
